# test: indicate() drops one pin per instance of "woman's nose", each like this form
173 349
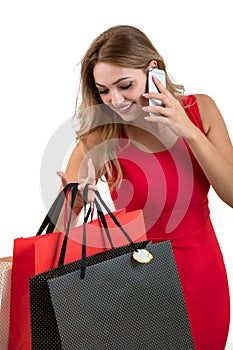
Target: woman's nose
116 98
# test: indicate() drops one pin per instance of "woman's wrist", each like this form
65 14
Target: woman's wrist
194 137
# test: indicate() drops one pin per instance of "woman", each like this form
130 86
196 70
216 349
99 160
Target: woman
161 159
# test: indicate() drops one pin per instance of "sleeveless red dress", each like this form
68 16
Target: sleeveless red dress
172 190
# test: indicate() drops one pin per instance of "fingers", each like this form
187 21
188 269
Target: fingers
163 95
158 83
90 187
64 179
91 191
91 172
90 180
163 121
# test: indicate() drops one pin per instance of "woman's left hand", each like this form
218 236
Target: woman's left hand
171 113
90 180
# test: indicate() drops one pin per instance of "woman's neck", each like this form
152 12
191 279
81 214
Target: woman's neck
152 138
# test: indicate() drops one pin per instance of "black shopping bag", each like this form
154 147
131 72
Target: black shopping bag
132 300
123 304
44 329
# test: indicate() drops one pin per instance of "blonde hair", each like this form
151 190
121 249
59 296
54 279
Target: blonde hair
125 46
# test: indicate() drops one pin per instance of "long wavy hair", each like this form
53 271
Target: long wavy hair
125 46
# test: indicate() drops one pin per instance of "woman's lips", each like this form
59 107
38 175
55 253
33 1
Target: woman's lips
125 109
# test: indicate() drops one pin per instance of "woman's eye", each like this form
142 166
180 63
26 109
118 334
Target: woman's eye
102 92
125 87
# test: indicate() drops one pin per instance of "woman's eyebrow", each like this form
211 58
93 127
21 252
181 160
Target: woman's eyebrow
115 82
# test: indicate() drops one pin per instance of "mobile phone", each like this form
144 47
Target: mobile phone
159 74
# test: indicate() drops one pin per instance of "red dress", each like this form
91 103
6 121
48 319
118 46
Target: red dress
172 190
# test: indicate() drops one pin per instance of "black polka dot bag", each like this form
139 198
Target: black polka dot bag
124 298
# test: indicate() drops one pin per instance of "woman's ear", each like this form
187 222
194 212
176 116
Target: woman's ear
153 64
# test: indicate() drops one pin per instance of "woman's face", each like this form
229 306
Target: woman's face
121 88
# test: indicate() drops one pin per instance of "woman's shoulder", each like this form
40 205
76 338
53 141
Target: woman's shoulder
91 139
205 108
202 100
209 112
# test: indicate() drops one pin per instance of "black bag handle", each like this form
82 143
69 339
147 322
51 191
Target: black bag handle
74 190
113 217
104 223
52 216
50 220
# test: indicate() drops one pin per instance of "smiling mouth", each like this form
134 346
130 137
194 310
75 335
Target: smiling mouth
125 109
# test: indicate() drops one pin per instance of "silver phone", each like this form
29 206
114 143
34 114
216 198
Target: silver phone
160 75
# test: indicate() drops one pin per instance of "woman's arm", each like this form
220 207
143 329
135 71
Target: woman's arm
213 151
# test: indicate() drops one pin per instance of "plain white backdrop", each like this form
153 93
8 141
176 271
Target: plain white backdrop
42 42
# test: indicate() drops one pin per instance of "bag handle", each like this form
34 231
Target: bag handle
74 190
113 217
52 216
50 221
105 225
103 222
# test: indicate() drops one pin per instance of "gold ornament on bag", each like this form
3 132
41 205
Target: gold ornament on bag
142 256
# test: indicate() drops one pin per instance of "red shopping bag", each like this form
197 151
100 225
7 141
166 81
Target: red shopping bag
37 254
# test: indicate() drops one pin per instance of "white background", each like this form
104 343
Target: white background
42 41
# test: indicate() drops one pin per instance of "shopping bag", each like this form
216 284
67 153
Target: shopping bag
129 301
42 252
5 273
123 304
31 255
5 263
42 314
